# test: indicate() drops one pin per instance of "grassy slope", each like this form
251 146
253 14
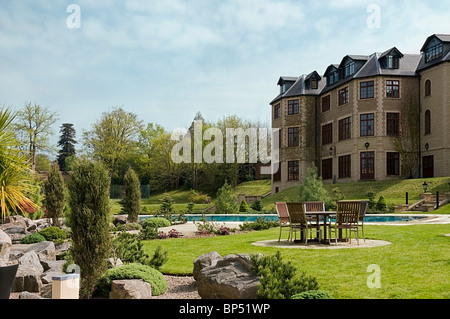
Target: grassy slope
415 265
394 191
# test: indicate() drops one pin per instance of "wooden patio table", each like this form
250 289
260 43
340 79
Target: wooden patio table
327 221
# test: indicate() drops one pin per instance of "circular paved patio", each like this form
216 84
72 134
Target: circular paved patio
315 245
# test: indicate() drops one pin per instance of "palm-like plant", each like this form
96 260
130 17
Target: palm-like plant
15 173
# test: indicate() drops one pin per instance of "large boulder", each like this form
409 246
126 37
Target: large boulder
204 261
130 289
5 249
4 237
227 278
44 249
28 277
15 231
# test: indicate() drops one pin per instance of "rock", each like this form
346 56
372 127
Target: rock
227 278
29 295
28 277
4 237
204 261
120 219
114 262
130 289
45 250
16 232
51 268
5 249
61 249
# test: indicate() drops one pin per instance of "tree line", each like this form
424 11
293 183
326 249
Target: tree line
120 140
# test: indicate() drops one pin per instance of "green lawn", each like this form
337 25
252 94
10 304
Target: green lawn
415 265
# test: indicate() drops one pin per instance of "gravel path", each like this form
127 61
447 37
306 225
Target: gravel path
180 287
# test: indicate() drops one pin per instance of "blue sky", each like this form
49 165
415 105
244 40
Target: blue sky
165 60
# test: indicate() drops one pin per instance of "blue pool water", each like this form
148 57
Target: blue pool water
273 217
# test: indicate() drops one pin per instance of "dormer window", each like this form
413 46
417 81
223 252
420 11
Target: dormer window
349 69
283 88
333 78
434 52
314 84
393 62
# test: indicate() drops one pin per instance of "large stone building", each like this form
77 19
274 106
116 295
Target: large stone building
375 117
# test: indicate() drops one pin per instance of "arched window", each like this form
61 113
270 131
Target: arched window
427 122
427 88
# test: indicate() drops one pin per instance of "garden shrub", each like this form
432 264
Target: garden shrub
312 294
257 206
279 279
131 203
53 233
128 226
128 247
243 208
199 198
131 271
381 204
259 224
149 233
155 222
32 238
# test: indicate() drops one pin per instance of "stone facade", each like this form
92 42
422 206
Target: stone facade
367 122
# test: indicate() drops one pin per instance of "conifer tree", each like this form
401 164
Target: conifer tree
67 143
131 204
55 196
89 221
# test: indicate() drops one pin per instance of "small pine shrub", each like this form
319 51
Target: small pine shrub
279 279
131 271
312 294
155 222
243 208
32 238
381 204
53 233
149 233
257 206
259 224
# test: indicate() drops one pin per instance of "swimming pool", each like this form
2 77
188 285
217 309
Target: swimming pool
273 217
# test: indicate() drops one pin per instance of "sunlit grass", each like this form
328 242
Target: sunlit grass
415 265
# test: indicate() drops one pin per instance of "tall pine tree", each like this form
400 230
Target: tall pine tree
67 143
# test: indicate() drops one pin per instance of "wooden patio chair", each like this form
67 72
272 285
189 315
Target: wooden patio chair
300 222
315 206
347 218
362 215
283 217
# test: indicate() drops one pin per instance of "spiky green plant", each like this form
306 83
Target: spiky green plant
15 173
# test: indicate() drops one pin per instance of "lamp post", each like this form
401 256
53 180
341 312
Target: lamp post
425 186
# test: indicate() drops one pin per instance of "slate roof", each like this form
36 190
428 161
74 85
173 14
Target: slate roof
410 65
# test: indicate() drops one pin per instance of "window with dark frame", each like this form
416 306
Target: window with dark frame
427 88
367 124
293 171
393 163
367 165
434 52
277 175
427 122
277 111
293 107
393 89
326 103
393 62
345 129
293 137
314 84
392 124
349 69
345 163
327 169
343 96
327 134
367 90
